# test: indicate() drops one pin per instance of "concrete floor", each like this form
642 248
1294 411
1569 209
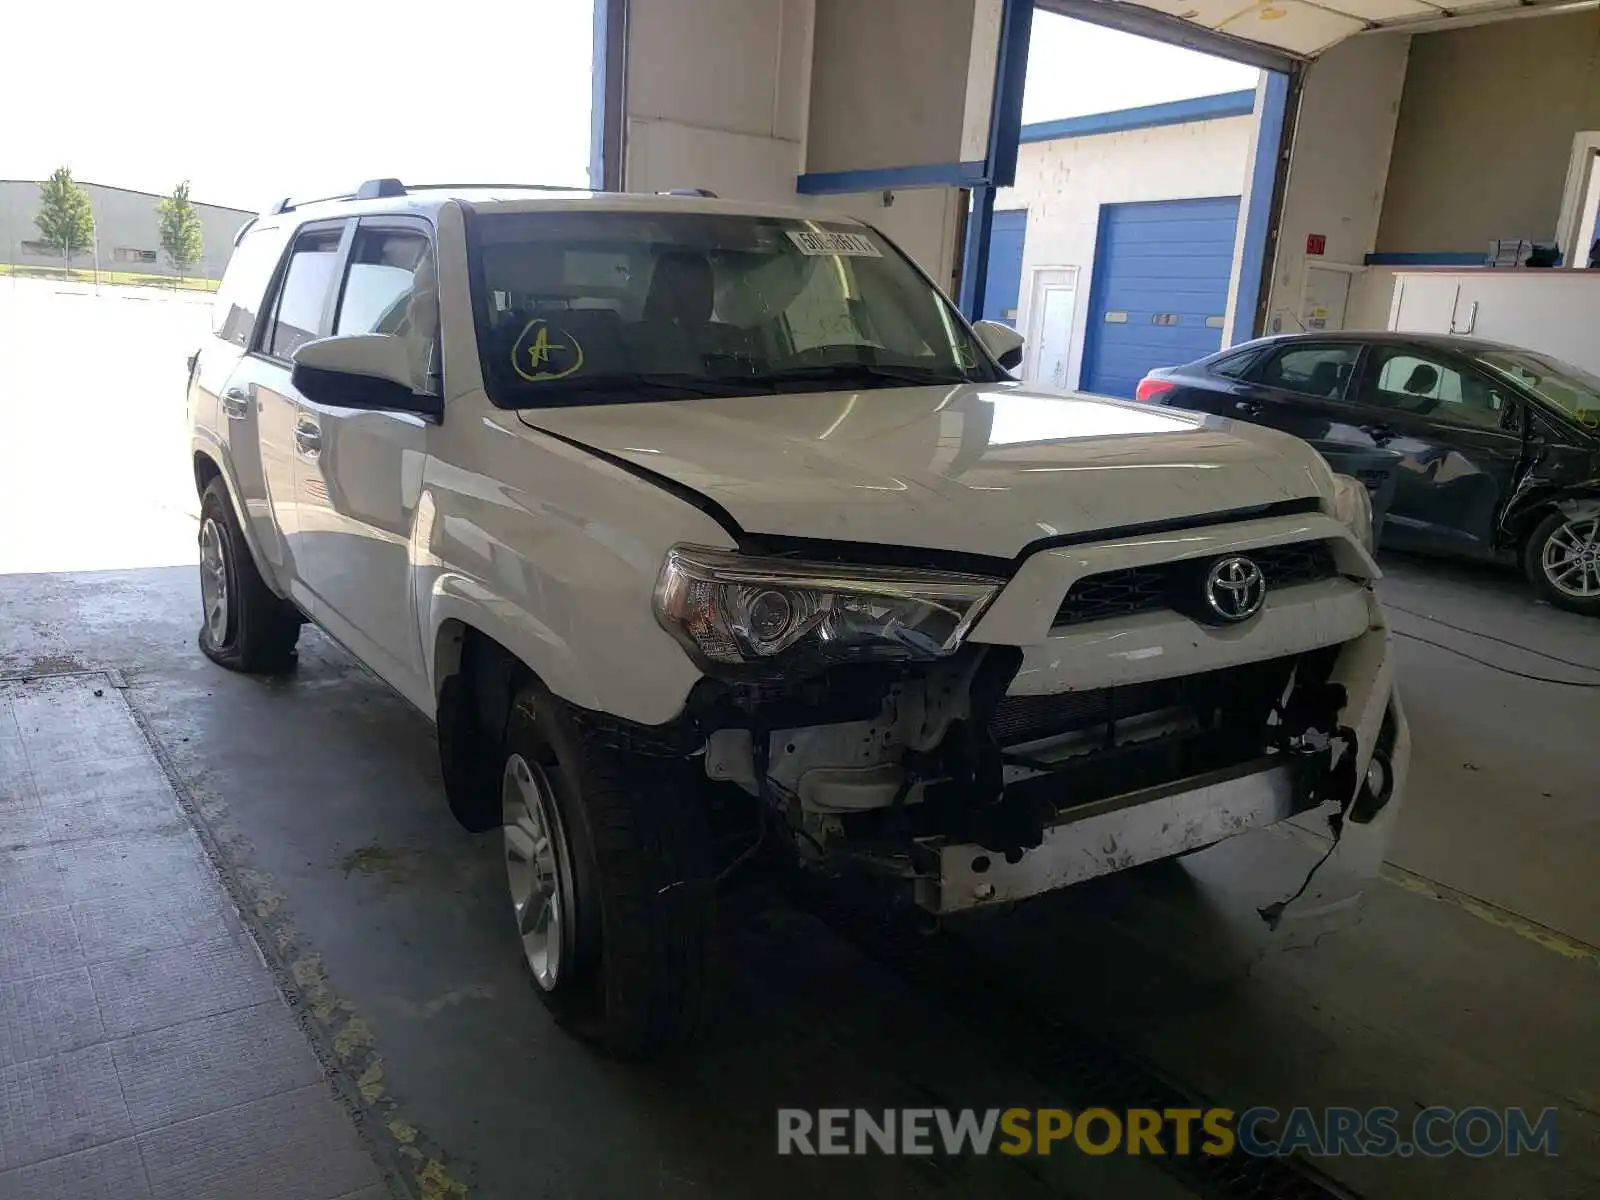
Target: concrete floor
1468 976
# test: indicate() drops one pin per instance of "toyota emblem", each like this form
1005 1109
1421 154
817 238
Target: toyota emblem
1235 589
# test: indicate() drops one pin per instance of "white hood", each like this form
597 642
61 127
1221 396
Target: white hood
985 469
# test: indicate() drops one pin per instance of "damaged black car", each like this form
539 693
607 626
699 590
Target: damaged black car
1472 449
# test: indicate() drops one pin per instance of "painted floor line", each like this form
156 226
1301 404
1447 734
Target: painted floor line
1485 910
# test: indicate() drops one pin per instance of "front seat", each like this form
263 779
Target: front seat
680 290
674 334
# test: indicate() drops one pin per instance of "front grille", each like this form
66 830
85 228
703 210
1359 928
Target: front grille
1145 589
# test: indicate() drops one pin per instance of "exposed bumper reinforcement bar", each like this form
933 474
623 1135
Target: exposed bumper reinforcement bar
1112 835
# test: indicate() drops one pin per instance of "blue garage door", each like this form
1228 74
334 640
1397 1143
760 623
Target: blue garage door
1160 287
1004 279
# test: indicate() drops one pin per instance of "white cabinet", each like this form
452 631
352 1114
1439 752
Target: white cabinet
1556 311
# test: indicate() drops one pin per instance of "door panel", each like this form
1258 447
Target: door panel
1302 389
1459 441
262 388
298 312
361 472
1050 322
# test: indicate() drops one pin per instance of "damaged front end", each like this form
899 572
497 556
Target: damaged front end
1123 729
974 796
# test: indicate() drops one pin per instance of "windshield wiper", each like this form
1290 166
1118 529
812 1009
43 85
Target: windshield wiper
863 373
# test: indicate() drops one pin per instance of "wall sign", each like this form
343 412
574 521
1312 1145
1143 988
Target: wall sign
1316 243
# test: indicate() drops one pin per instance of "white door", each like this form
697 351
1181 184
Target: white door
1050 317
299 313
361 472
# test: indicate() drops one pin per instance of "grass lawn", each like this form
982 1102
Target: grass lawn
123 278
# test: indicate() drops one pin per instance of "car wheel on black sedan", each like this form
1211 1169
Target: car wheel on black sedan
1562 560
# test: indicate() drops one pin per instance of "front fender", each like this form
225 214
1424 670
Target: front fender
458 597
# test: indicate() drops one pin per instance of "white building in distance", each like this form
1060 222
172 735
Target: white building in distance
127 228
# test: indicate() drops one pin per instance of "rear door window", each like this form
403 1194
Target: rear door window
1320 371
301 313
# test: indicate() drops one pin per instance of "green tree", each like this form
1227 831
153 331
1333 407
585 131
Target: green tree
66 219
181 236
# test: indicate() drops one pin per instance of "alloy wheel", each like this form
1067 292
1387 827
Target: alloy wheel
214 582
1571 558
536 867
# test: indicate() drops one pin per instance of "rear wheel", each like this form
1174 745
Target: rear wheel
243 626
1562 560
608 868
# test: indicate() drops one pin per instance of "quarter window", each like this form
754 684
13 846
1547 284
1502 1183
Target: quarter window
249 271
1235 365
303 298
1320 371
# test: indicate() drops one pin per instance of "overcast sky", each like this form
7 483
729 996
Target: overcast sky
312 96
1075 68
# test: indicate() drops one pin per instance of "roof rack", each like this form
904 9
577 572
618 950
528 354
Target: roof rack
289 203
462 187
381 189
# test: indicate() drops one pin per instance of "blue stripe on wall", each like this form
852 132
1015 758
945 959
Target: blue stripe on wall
956 174
1175 112
1427 258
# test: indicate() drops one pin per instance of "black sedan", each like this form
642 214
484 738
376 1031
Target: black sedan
1495 451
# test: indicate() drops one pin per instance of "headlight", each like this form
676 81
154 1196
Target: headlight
732 609
1352 504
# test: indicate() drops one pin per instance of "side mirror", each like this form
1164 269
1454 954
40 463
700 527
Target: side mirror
1002 341
369 371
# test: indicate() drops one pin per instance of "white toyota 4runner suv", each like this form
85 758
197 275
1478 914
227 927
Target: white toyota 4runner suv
702 528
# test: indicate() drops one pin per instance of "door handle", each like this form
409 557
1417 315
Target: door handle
236 403
308 437
1250 408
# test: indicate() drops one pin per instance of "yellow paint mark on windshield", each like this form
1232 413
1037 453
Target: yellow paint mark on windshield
542 354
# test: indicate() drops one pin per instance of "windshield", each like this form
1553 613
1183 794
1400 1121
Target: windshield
610 307
1572 389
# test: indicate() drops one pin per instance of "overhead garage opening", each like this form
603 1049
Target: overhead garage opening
1120 243
1366 162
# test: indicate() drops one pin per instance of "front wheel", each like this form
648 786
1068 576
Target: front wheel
1562 560
608 867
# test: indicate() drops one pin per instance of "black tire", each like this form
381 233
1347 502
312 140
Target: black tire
635 847
1533 560
258 631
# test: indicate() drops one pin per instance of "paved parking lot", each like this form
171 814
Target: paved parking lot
308 815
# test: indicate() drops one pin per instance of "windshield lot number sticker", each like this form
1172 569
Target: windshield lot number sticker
542 354
847 245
